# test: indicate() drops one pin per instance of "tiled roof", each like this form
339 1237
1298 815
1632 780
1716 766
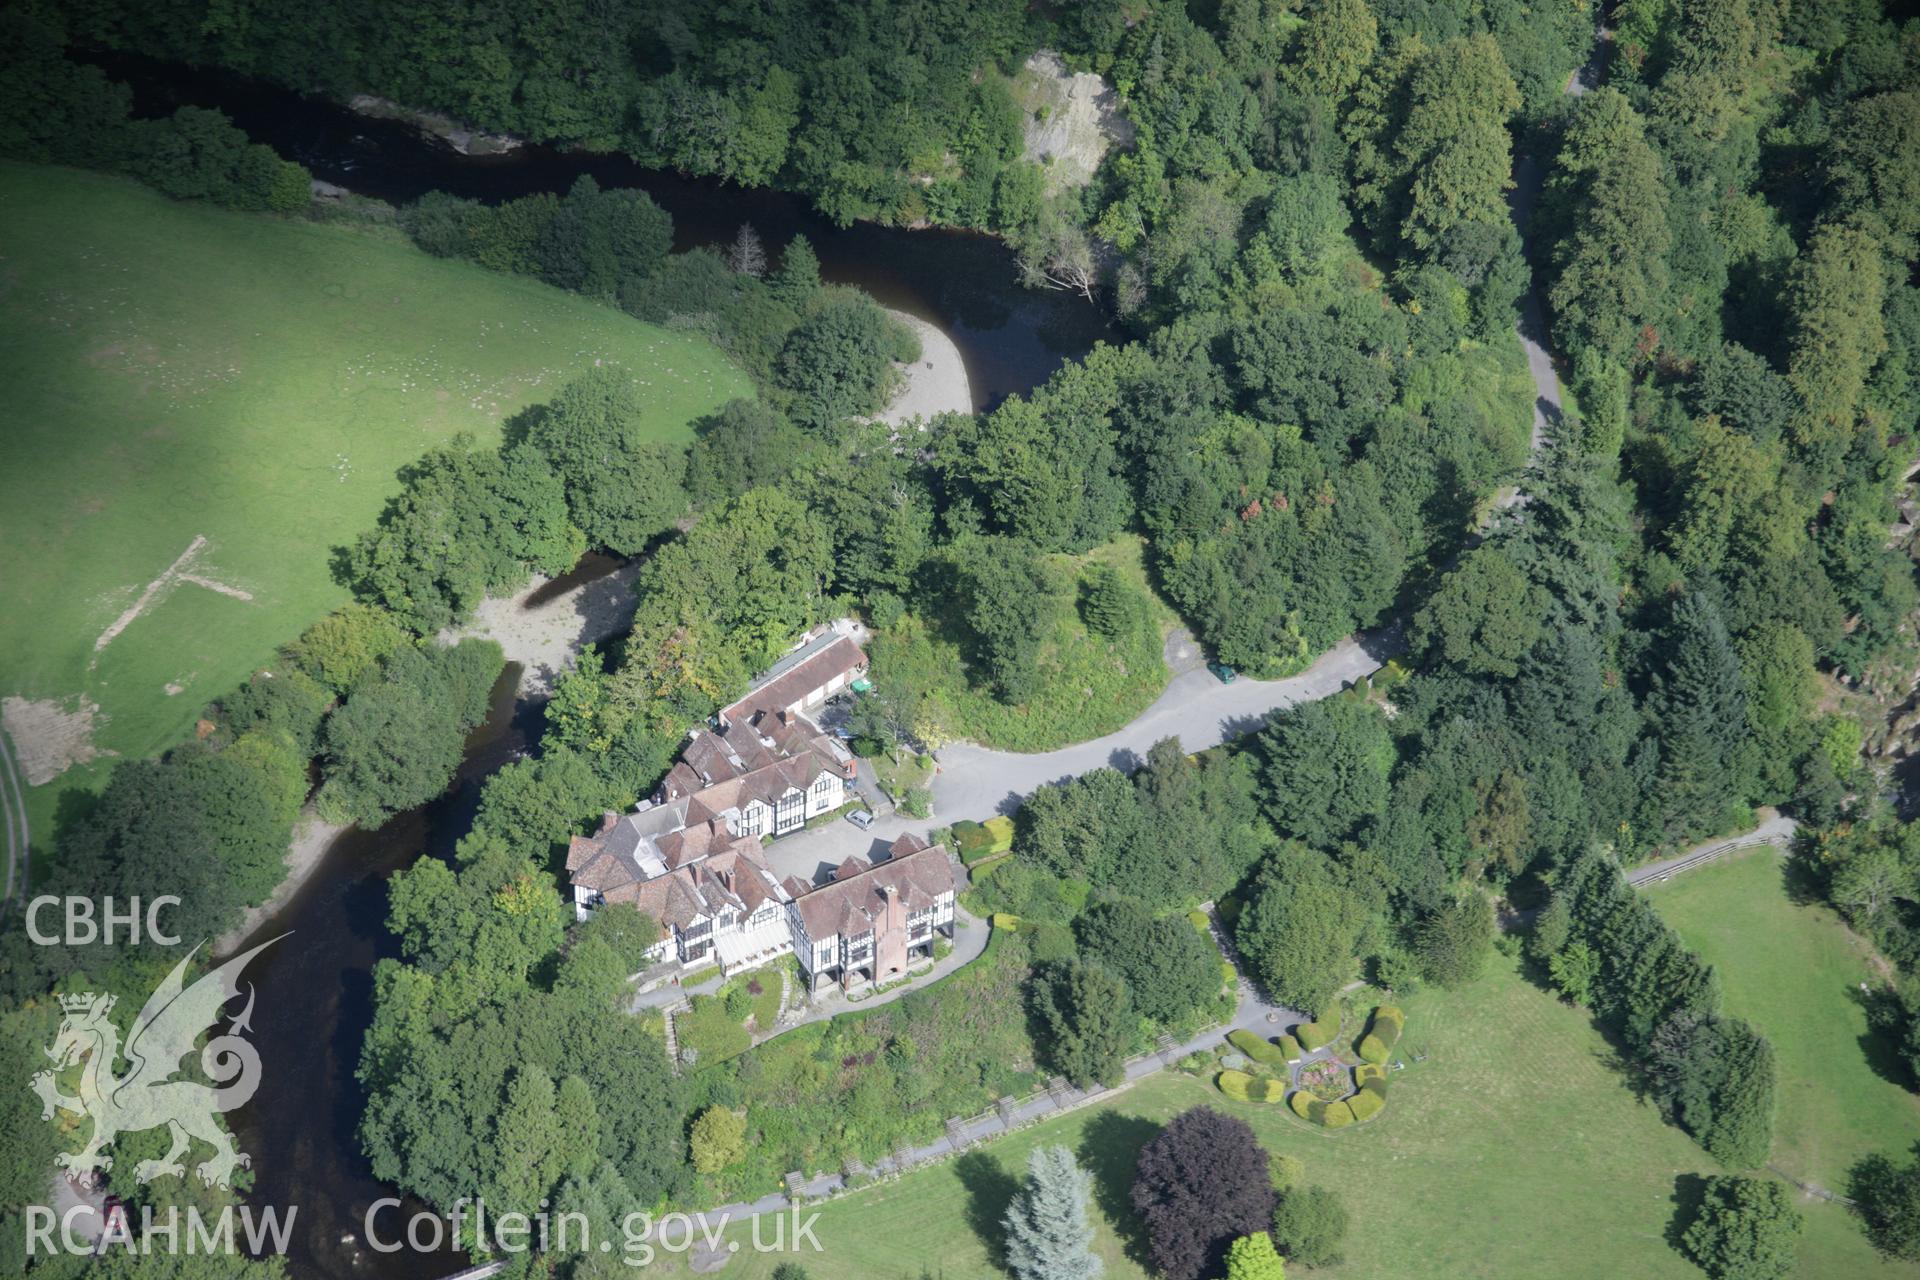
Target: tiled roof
851 904
841 656
736 878
679 858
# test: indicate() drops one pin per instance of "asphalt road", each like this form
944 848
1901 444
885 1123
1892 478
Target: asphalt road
976 782
1195 707
1773 830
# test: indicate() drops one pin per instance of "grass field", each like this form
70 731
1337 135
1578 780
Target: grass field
179 372
1793 970
1518 1150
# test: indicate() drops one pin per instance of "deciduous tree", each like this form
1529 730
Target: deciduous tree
1745 1229
1310 1225
623 483
718 1139
1200 1184
1254 1258
1300 929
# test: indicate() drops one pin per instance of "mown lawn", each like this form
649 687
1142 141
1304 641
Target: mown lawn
1518 1150
1794 970
176 371
711 1028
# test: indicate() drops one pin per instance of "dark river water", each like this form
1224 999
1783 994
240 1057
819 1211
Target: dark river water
316 986
316 1002
1011 338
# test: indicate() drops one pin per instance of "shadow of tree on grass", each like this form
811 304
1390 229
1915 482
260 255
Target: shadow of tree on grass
1689 1193
990 1189
1110 1152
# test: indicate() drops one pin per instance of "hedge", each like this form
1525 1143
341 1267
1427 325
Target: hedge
1001 831
1312 1035
1228 974
1338 1115
1242 1087
972 841
1368 1072
1254 1047
1289 1047
1382 1034
1307 1107
1365 1105
1011 923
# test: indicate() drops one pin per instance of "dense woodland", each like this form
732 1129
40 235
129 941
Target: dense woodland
1311 242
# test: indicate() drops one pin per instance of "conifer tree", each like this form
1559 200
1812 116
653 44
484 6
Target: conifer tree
799 272
1701 702
1088 1015
1048 1235
1104 601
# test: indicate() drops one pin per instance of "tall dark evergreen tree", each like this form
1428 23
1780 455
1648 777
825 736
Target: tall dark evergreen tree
1088 1018
1706 767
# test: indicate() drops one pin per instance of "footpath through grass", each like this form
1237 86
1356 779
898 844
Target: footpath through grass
1794 970
178 372
1517 1149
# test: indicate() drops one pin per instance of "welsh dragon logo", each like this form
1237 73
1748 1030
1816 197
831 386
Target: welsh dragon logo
148 1096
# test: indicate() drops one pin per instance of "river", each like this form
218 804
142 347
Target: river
316 986
963 282
316 1002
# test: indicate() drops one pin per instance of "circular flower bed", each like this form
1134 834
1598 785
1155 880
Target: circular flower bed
1328 1081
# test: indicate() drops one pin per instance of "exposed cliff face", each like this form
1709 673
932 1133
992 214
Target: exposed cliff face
1072 120
468 142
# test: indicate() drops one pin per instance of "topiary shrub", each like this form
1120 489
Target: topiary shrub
1337 1115
999 832
1367 1072
1289 1047
1382 1033
1305 1105
1365 1105
1254 1047
1001 920
1242 1087
1315 1035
